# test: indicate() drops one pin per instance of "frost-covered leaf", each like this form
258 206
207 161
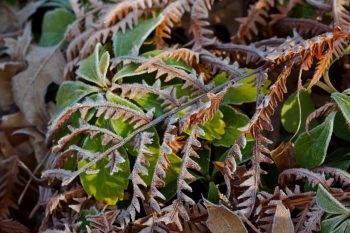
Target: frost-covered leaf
343 102
55 23
328 203
233 121
215 128
70 92
130 41
243 94
282 222
104 186
311 147
290 111
30 90
94 68
223 220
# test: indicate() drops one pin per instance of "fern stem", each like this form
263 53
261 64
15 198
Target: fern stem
155 122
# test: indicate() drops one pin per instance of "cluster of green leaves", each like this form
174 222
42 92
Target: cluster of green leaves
93 79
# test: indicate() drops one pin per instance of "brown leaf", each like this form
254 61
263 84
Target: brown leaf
223 220
15 120
6 74
282 222
30 91
284 156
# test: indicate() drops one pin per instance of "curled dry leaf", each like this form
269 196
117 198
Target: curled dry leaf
282 222
29 86
284 156
223 220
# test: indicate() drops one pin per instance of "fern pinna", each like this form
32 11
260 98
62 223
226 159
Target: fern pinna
147 117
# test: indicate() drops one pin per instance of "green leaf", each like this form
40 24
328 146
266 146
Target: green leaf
94 67
55 23
340 128
104 186
214 128
71 92
290 111
149 101
213 193
129 42
243 94
311 147
330 224
233 121
343 102
328 203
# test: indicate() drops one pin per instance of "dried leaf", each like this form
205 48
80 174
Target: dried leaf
282 222
29 90
284 156
223 220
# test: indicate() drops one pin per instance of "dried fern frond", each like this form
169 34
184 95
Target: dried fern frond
177 210
320 112
312 221
183 54
140 168
12 226
341 15
338 175
199 16
301 173
172 15
8 186
103 222
109 110
166 95
85 128
303 25
257 14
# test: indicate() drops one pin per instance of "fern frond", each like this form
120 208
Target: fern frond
320 112
103 222
162 165
109 110
301 173
312 223
217 64
85 128
177 210
186 55
199 16
303 25
257 14
172 15
140 168
191 80
337 174
319 4
8 186
341 15
12 226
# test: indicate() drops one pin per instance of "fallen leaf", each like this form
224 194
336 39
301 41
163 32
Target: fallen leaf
284 156
15 120
37 141
29 91
282 222
222 220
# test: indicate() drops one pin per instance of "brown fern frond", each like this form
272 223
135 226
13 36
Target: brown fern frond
8 186
312 222
320 112
183 54
137 90
191 80
103 222
162 165
140 168
12 226
109 110
319 4
201 112
303 25
199 16
85 128
257 14
217 64
338 175
341 15
172 15
301 173
177 211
